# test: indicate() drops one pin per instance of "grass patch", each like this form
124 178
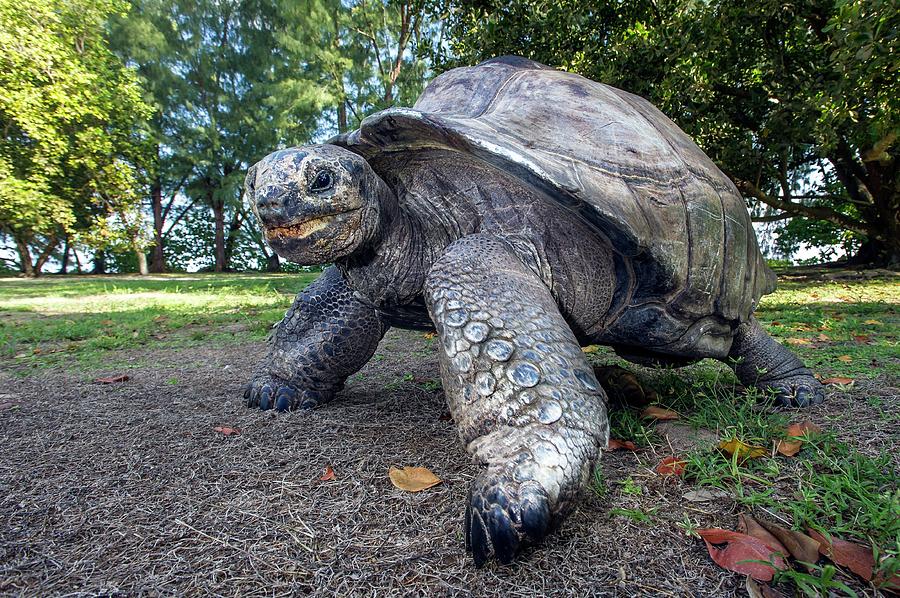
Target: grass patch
78 320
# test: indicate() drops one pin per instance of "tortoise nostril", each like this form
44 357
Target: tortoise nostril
270 198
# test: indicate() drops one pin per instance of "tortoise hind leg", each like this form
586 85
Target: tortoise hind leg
759 361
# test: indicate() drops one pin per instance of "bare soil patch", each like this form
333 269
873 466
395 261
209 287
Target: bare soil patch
127 489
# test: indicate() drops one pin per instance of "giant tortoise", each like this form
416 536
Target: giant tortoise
522 212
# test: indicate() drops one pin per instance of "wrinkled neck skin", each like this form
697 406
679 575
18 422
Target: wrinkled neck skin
390 270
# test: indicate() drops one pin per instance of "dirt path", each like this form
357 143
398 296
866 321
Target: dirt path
126 489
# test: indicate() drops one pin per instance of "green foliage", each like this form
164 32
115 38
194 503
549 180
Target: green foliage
70 114
798 103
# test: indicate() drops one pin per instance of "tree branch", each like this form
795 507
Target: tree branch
797 209
178 218
772 218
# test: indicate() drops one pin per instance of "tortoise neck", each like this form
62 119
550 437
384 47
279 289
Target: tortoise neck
391 269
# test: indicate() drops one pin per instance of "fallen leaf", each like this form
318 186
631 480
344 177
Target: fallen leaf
823 337
845 358
659 414
107 322
742 450
741 553
429 335
799 545
671 466
750 526
861 338
797 341
328 475
855 557
227 431
413 479
160 318
873 322
615 445
789 448
113 379
838 380
705 495
590 349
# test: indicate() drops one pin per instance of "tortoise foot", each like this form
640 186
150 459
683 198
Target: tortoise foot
270 392
795 391
503 516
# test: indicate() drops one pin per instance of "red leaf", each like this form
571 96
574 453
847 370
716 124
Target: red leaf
615 445
838 380
113 379
328 475
226 431
789 448
660 414
855 557
741 553
750 526
671 466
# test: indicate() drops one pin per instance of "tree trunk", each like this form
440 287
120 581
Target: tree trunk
218 208
99 262
143 270
64 268
342 117
158 262
273 264
25 262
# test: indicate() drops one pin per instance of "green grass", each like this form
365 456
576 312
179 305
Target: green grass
78 320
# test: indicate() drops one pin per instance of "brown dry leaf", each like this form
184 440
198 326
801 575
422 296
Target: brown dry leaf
797 341
671 466
705 495
429 335
328 475
873 323
823 337
845 358
854 556
107 322
748 525
113 379
803 548
413 479
789 448
227 431
615 444
160 318
838 380
741 553
659 414
862 338
742 450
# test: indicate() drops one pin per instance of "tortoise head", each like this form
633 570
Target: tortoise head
316 204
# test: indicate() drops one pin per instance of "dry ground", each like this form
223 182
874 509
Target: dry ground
126 489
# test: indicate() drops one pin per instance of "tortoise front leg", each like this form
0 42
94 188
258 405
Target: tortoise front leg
524 396
326 335
760 361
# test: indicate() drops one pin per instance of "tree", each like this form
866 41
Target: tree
70 113
798 103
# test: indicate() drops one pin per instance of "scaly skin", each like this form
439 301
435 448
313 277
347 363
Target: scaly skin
523 395
326 335
759 361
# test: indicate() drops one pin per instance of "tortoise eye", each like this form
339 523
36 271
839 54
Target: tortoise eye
324 181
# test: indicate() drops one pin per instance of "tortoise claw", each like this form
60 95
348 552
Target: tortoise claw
503 516
269 392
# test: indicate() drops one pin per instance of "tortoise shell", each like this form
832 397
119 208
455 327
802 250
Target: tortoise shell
612 157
